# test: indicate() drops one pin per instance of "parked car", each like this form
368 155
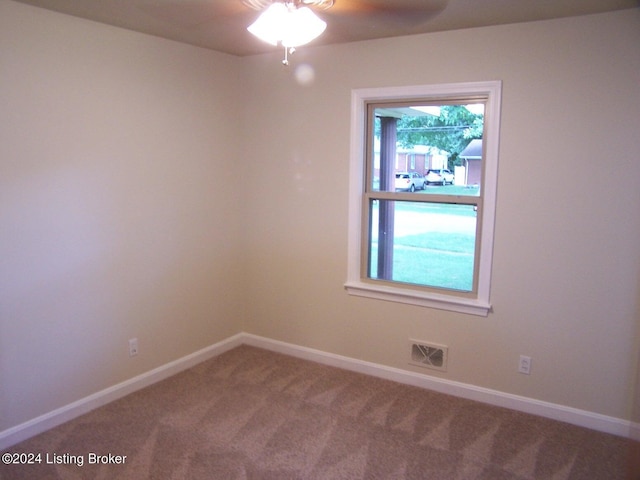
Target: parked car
410 181
441 176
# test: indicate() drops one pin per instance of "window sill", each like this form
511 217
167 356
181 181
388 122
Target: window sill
431 300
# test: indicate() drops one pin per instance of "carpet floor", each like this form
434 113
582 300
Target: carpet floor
254 414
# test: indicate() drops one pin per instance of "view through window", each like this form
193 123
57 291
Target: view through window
424 194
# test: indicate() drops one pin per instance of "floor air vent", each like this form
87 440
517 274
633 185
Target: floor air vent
428 355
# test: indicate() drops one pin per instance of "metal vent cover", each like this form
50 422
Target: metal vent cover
428 355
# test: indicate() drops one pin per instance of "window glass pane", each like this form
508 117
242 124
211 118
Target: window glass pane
427 244
427 148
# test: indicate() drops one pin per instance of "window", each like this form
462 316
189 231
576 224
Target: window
424 234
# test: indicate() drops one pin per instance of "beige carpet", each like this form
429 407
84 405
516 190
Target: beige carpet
254 414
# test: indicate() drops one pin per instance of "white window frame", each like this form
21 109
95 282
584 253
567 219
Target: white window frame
355 284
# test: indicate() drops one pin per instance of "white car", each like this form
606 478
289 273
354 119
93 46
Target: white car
409 181
441 176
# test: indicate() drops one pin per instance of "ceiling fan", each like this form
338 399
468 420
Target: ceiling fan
361 15
346 20
292 23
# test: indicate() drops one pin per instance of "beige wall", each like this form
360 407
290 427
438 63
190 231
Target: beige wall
123 216
116 206
566 255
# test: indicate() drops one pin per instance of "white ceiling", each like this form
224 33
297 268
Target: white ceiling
221 24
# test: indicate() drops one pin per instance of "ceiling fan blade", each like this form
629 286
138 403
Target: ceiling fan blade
351 20
413 11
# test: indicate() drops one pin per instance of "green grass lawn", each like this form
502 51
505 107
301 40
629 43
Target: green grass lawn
438 256
451 190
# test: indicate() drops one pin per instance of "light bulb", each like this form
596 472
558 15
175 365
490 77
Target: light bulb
290 26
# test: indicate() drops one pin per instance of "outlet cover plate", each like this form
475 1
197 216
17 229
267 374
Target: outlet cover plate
133 347
524 366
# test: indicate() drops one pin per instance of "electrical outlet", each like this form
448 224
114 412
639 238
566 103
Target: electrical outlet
525 365
133 347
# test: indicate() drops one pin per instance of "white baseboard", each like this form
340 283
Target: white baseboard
582 418
40 424
553 411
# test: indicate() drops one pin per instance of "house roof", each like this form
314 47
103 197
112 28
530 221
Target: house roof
473 151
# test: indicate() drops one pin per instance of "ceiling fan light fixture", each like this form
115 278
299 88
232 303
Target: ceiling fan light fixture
270 23
287 24
304 26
